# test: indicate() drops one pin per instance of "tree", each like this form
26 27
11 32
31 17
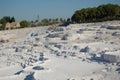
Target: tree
53 21
56 20
24 23
68 20
45 22
2 27
61 20
12 19
7 18
3 21
101 13
50 20
76 18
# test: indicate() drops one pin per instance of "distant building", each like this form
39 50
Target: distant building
12 25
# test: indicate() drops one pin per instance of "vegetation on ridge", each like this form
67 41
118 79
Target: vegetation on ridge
101 13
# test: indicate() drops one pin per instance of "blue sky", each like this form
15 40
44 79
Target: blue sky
29 9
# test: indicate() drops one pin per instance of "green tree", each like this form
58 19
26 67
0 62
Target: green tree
4 20
68 20
56 20
7 18
61 20
24 23
45 22
101 13
12 19
53 21
2 27
50 20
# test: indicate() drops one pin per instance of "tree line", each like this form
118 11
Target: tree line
26 23
48 21
96 14
101 13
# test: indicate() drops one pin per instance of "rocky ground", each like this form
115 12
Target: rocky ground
71 52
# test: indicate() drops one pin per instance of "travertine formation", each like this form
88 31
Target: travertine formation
89 51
